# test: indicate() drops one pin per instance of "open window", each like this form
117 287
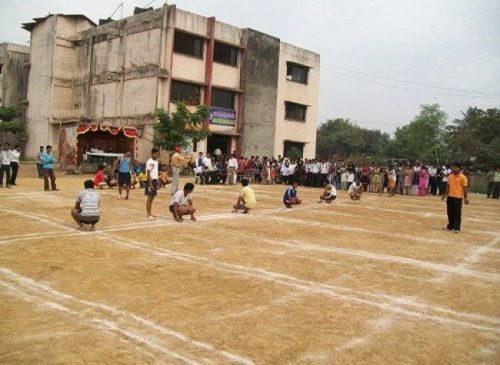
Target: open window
297 73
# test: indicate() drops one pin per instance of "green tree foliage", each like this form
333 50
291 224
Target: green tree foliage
345 138
181 127
476 137
9 120
423 137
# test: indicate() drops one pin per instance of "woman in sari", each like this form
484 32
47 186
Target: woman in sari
423 181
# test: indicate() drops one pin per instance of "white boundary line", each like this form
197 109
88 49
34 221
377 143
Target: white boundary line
381 301
83 308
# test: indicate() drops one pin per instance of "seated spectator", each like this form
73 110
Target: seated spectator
163 179
99 179
86 209
143 178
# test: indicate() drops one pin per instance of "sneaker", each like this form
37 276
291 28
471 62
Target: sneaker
445 228
456 231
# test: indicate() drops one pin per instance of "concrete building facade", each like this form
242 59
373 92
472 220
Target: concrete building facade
14 61
91 83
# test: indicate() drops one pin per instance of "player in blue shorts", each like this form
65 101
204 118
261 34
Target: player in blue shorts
290 196
124 165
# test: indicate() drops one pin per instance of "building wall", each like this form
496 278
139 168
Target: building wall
260 84
298 93
118 73
40 87
14 81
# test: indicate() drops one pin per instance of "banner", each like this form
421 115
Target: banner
220 116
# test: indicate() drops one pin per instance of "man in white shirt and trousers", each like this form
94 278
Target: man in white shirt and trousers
232 165
5 159
14 164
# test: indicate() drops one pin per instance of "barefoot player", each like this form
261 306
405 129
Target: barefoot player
290 196
151 187
246 199
329 194
182 204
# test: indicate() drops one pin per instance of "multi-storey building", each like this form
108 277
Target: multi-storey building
99 84
14 60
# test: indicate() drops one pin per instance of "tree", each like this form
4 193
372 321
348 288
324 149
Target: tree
476 137
423 137
345 138
181 127
9 120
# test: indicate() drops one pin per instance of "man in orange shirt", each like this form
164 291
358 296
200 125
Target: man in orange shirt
456 191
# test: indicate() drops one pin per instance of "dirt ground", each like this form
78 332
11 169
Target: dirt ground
369 282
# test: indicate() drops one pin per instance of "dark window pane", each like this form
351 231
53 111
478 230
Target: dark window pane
295 111
188 44
225 54
223 99
296 72
188 93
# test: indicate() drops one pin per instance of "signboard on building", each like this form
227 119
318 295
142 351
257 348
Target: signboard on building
221 116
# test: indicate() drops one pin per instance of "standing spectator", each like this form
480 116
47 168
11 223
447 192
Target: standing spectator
249 169
444 181
39 162
49 160
241 168
491 182
408 178
496 184
377 181
232 165
14 164
285 172
343 179
400 179
176 169
391 183
432 180
5 158
324 170
423 181
456 192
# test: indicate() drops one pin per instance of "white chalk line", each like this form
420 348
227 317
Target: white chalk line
377 326
365 254
407 301
427 265
101 325
106 313
472 258
392 304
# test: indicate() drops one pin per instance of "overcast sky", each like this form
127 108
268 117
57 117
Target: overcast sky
448 43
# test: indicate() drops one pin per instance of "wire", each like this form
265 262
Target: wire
413 89
410 82
114 12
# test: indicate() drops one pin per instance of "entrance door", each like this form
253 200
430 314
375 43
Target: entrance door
293 150
217 141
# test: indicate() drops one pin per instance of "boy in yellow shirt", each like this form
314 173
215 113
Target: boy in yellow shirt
246 199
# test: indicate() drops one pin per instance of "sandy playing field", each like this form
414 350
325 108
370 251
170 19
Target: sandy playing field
374 282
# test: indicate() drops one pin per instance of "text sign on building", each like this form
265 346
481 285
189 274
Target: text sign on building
221 116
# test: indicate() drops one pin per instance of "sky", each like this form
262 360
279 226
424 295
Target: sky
364 46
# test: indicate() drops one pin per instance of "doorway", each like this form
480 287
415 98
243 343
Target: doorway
217 141
293 150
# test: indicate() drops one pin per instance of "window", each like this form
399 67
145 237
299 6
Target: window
183 91
295 111
223 99
297 73
188 44
225 54
1 67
